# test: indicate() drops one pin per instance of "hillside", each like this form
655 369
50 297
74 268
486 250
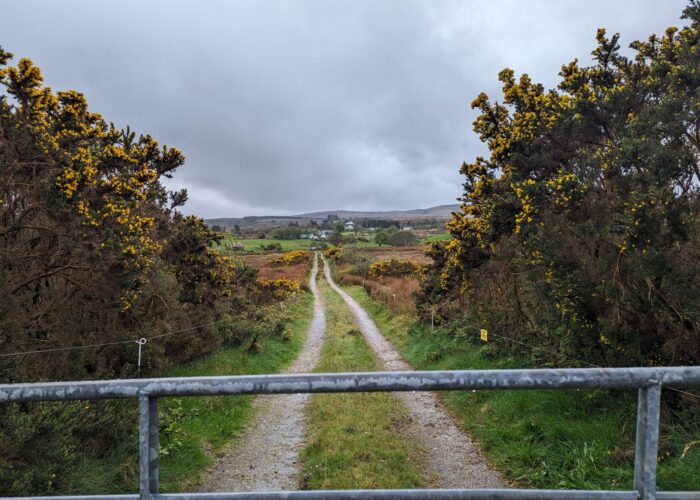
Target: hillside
440 212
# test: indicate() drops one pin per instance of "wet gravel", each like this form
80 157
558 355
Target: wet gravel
266 458
452 458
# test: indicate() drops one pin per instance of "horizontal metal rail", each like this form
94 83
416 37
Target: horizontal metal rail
391 495
648 382
569 378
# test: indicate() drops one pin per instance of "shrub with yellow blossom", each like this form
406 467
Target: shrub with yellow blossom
292 258
580 231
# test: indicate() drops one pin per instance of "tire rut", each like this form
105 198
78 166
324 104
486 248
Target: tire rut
453 459
266 458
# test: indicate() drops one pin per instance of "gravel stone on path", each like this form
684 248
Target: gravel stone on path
453 458
266 458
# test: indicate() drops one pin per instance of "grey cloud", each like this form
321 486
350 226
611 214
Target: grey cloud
285 106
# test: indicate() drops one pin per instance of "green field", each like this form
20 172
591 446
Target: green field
254 244
437 237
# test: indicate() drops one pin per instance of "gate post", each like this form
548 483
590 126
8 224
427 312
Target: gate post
148 446
646 446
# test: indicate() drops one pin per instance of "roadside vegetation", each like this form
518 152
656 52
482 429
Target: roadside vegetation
95 254
579 234
355 440
544 439
192 429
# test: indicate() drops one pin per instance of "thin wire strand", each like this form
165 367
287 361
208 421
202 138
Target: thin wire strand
111 343
56 349
583 362
564 355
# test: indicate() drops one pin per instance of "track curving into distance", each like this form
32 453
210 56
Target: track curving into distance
453 459
266 458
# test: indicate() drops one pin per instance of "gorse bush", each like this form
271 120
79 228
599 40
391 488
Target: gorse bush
93 251
279 289
333 253
580 232
393 267
292 258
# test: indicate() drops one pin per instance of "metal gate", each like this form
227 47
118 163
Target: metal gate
648 382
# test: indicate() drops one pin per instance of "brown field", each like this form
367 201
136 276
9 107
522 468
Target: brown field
397 293
269 271
416 254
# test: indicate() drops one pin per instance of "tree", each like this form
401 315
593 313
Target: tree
216 228
87 233
381 238
403 238
335 238
92 251
587 209
287 233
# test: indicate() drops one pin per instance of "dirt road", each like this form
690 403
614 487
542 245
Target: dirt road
266 458
454 461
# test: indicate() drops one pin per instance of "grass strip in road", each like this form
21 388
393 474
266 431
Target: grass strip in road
545 439
355 440
194 427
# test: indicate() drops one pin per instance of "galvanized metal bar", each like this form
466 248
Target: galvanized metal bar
144 446
133 496
582 378
153 458
375 494
410 494
678 495
386 494
646 447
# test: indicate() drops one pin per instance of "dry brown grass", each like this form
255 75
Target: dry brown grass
415 254
396 293
269 271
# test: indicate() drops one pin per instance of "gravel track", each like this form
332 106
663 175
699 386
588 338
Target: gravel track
453 459
266 458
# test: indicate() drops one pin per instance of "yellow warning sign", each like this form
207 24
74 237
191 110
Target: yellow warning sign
484 334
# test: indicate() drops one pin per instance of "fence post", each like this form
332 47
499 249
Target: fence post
646 446
148 446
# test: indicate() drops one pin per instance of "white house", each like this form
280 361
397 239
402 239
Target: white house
349 225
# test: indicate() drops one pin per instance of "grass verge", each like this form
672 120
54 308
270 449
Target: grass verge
355 440
544 439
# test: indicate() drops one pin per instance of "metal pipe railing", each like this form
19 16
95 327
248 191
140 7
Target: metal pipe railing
648 382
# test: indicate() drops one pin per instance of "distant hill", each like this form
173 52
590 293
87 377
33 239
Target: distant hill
440 212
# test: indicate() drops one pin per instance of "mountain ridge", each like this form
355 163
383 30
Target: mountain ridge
436 212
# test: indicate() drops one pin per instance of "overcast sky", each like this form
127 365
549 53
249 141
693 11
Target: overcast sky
289 106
